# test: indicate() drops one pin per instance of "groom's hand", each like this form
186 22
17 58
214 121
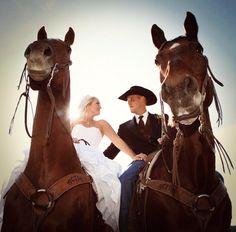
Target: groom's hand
141 156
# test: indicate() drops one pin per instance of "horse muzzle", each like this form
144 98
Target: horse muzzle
183 96
39 75
39 60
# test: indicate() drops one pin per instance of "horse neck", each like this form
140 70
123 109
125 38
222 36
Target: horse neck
196 164
54 156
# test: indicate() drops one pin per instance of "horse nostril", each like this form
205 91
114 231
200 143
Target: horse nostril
189 85
187 82
47 51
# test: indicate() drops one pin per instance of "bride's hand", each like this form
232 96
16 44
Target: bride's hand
140 156
75 140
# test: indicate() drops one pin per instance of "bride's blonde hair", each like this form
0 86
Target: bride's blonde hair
85 101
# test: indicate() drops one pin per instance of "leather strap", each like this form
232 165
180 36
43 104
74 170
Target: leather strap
184 196
68 182
25 186
57 189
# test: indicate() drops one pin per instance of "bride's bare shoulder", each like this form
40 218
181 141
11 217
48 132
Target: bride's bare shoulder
102 122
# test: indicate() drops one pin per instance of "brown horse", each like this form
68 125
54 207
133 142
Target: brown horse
53 193
178 190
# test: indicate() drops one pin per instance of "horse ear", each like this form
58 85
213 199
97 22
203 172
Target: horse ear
42 33
158 36
191 27
69 37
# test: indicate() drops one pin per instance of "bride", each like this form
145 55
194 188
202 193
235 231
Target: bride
87 133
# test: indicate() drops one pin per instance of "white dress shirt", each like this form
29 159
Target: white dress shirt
145 115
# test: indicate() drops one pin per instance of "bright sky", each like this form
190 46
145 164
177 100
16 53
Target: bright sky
112 51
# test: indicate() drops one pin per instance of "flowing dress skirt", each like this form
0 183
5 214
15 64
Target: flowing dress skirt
105 173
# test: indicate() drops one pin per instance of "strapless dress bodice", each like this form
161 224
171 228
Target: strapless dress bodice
90 134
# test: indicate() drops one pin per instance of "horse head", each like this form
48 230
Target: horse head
185 84
47 66
46 57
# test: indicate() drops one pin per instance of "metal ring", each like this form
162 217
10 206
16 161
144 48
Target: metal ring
209 200
49 196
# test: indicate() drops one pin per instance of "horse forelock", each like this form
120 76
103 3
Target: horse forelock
177 39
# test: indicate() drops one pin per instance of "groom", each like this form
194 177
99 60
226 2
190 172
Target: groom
141 134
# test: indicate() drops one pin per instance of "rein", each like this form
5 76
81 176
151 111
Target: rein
214 142
216 99
55 68
27 99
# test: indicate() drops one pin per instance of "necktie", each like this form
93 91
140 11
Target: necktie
141 123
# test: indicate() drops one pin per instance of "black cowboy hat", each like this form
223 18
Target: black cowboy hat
138 90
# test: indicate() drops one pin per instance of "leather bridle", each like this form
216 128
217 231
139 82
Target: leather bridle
54 69
203 129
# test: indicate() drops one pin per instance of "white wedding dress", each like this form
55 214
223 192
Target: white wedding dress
7 185
104 171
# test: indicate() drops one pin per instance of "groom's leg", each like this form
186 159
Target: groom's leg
128 180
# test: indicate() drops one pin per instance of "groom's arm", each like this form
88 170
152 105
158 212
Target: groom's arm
111 151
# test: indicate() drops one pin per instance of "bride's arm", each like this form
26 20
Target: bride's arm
117 141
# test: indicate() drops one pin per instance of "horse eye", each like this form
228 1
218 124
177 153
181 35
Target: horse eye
27 51
157 60
198 48
69 50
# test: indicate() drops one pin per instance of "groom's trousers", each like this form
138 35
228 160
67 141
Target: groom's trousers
128 180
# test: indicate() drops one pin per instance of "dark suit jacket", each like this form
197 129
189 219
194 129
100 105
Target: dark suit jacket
130 133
